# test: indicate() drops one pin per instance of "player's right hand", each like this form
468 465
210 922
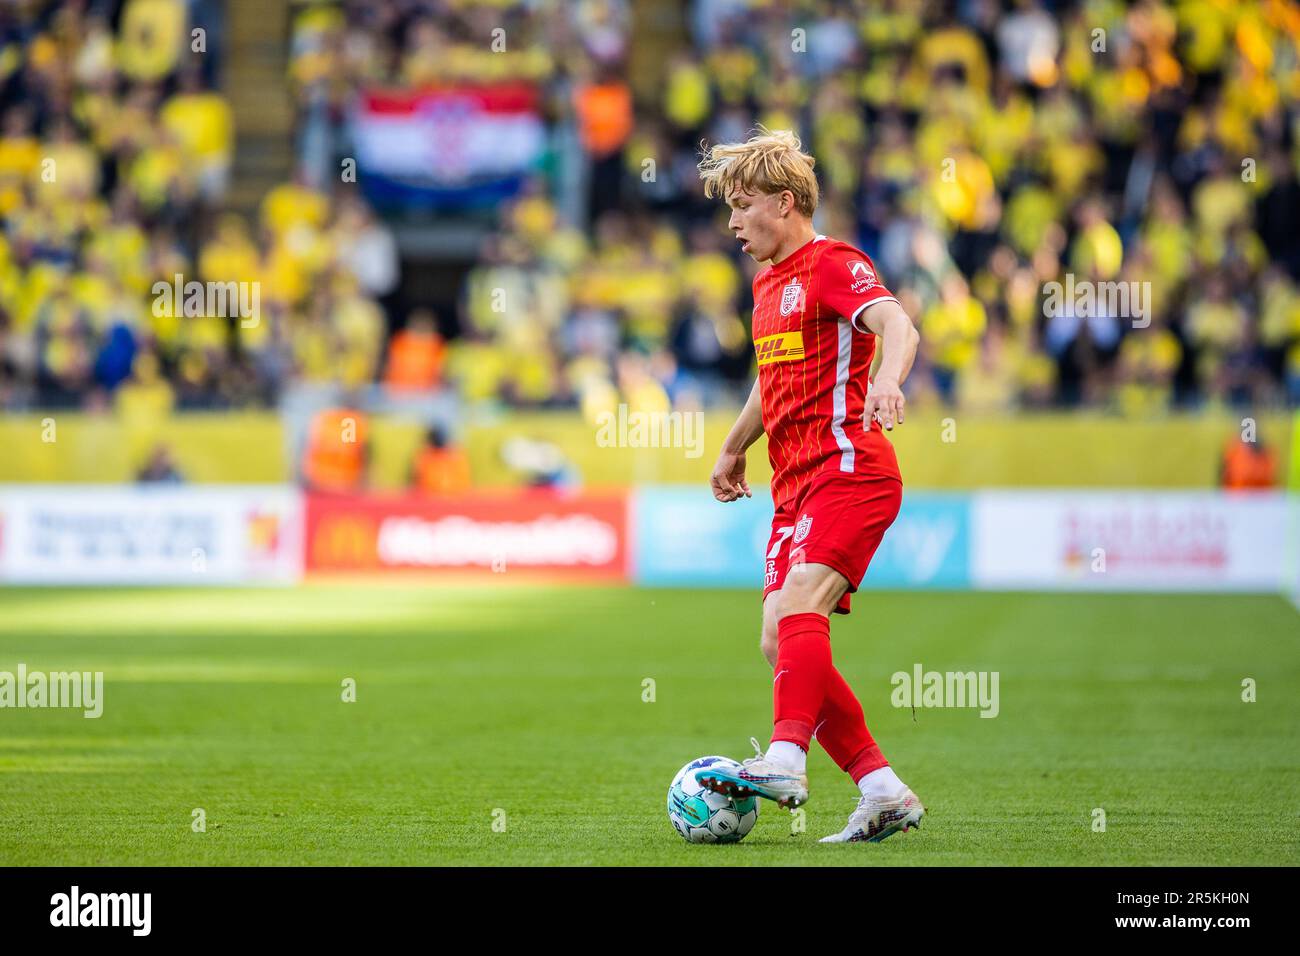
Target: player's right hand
728 480
884 403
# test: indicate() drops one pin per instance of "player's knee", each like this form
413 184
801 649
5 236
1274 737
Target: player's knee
767 641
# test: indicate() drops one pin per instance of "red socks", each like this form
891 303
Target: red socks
810 696
842 731
803 669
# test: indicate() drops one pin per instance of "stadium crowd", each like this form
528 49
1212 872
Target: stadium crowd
978 151
116 151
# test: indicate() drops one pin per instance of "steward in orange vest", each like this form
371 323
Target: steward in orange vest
439 469
1248 464
338 450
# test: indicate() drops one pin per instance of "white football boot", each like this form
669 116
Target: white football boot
758 777
875 818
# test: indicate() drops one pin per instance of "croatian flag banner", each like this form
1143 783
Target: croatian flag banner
450 146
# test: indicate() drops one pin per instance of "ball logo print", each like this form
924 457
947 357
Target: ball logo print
701 816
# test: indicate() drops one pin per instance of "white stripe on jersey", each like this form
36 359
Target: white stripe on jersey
854 319
838 399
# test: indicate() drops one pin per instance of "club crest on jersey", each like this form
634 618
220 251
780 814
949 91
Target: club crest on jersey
802 528
781 347
791 297
864 277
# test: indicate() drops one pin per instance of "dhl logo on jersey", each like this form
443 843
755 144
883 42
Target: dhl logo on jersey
782 347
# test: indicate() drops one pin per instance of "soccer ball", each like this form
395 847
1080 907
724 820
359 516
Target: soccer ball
702 816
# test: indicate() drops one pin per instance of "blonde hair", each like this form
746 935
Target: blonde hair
768 162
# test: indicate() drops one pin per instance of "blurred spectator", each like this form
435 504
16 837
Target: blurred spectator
152 36
439 468
1248 464
415 355
541 464
160 468
365 246
605 121
337 451
200 122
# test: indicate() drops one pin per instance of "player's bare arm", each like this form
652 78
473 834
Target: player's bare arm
728 480
899 340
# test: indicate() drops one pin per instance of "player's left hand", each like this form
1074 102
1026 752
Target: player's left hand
884 403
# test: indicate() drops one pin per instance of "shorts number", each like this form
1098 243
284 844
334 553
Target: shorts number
782 534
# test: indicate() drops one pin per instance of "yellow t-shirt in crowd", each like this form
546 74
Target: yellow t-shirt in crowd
153 35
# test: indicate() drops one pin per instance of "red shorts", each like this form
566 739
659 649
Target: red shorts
837 519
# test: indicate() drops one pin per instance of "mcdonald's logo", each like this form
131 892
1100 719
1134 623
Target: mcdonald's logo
343 541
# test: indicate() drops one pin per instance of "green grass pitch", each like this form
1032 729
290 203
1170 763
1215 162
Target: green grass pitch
523 706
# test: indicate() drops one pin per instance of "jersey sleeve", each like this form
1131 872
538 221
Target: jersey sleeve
847 283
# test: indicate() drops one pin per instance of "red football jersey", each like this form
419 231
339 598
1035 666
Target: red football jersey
813 363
